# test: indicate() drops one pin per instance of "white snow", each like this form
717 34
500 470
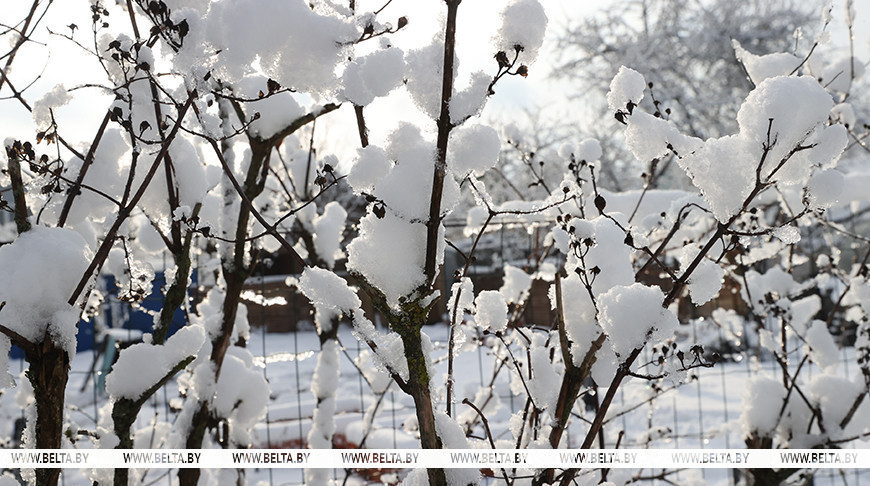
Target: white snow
633 314
825 187
469 101
57 97
705 282
276 112
424 67
822 347
142 365
844 113
323 385
762 400
648 137
627 86
328 232
524 23
766 66
589 150
241 394
792 122
835 395
41 268
326 289
305 60
473 148
371 165
724 168
491 310
787 234
545 381
406 189
390 254
372 76
516 286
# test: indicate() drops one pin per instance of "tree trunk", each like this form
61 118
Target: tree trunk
48 372
125 410
418 385
235 273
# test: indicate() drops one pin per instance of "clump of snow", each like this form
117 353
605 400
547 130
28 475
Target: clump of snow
404 194
760 68
524 23
630 315
424 67
706 280
55 98
827 144
517 283
209 315
391 354
835 396
776 282
328 230
305 60
372 76
724 168
469 101
371 165
844 114
610 255
376 377
394 269
649 137
189 178
241 394
839 75
588 150
41 268
822 347
792 122
627 86
545 381
407 188
762 400
142 365
473 148
787 234
453 437
323 385
475 218
464 292
276 111
724 179
326 289
109 155
824 188
491 310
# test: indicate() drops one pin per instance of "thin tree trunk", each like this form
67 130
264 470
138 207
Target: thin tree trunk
418 383
48 372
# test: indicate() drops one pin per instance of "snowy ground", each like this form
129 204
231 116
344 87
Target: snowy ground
701 414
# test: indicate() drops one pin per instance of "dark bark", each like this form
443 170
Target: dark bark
124 414
48 372
418 384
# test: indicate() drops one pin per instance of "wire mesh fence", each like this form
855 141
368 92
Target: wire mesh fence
701 413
